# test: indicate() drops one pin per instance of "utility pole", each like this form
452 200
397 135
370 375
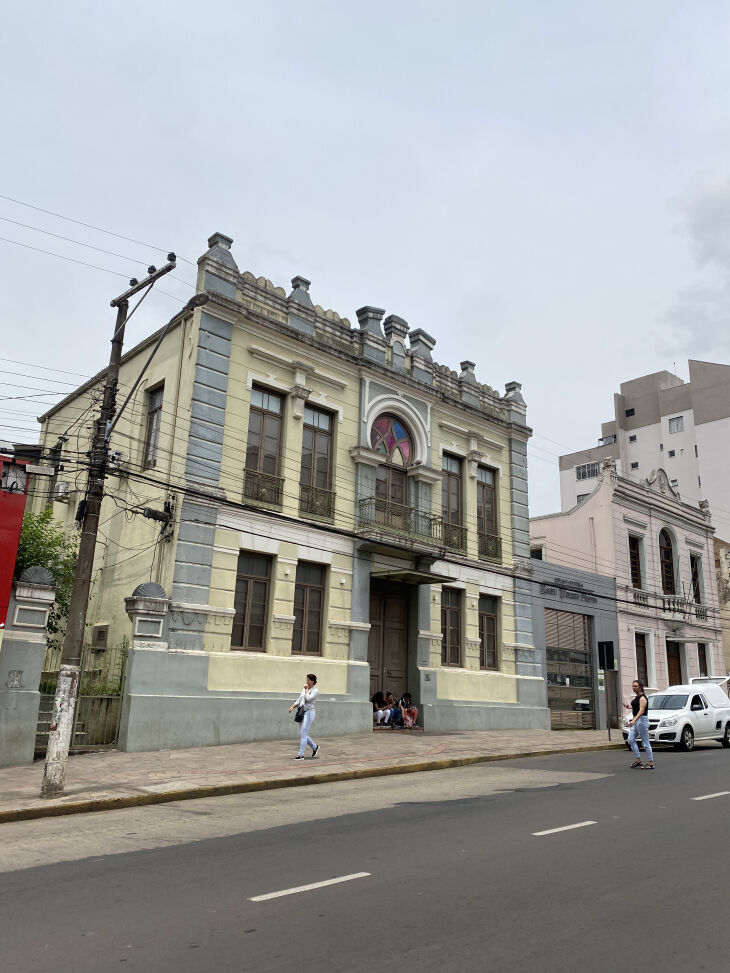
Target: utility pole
59 736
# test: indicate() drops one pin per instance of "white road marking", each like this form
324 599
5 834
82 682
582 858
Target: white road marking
307 888
706 797
567 827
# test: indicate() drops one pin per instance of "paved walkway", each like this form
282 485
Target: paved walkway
102 781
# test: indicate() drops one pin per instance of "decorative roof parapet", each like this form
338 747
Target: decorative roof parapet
369 319
467 372
422 344
300 292
371 339
395 327
219 247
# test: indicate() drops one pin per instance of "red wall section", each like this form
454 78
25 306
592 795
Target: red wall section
12 508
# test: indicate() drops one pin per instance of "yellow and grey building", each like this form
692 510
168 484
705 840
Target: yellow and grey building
333 500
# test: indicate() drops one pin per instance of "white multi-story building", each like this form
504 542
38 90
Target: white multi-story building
661 421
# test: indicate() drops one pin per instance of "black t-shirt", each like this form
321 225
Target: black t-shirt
636 702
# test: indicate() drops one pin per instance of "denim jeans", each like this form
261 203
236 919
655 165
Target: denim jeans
304 738
640 729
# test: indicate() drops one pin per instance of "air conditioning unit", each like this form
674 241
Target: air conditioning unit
62 491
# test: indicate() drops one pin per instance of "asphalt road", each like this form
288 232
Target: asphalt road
453 873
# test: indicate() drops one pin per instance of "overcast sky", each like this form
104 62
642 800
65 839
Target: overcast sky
542 186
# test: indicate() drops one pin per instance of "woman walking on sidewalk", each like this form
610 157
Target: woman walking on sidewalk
306 699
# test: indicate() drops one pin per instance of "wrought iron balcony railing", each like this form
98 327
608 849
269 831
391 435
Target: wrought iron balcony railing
374 512
490 546
315 502
263 488
454 536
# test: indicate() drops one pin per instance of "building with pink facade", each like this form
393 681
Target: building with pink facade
660 553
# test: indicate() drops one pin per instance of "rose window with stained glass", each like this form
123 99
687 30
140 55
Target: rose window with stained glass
390 438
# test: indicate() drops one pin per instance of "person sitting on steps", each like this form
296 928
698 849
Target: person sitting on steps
409 711
396 714
381 712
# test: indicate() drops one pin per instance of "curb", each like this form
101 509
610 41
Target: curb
247 787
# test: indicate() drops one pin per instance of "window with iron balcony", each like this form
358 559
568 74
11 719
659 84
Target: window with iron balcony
262 482
454 533
316 497
490 543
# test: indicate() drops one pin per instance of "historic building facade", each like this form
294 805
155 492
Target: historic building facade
328 498
660 553
576 634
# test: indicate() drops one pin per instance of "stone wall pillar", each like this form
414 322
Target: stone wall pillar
148 609
21 664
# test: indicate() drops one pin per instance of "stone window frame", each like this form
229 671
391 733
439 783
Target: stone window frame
650 655
306 587
673 561
267 582
154 399
452 603
265 413
638 561
483 649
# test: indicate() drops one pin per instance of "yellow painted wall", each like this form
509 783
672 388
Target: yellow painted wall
494 687
127 550
263 673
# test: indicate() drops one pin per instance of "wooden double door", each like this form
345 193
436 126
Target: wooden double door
388 642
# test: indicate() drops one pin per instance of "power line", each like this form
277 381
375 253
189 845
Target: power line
89 226
82 263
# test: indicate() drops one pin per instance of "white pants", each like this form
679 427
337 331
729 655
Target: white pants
304 737
382 715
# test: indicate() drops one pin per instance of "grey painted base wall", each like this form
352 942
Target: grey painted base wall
18 722
19 707
167 706
451 717
168 723
186 714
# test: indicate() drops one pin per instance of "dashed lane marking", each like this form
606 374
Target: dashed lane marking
308 888
707 797
566 827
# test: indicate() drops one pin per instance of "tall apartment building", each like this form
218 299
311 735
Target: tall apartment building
329 498
662 422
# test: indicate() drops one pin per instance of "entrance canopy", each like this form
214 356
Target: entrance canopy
407 570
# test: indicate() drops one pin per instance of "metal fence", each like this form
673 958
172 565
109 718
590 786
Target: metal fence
99 705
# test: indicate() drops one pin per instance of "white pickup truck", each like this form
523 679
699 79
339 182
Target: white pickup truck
683 714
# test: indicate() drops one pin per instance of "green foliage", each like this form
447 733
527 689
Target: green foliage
44 542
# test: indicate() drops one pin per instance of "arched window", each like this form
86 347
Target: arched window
390 437
666 562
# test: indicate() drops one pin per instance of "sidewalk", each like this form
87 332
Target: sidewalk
103 781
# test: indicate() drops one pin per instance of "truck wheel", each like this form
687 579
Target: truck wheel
687 740
726 737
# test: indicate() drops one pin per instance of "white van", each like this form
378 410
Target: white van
682 714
